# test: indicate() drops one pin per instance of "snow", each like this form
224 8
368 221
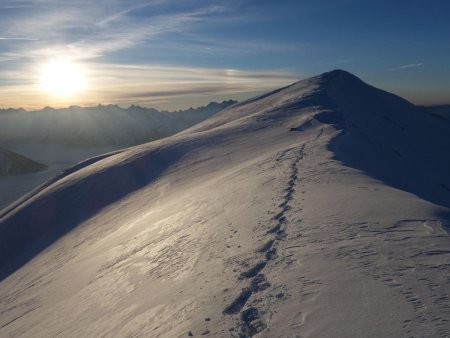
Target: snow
286 215
60 138
56 158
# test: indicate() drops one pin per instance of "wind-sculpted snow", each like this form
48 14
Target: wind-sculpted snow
78 194
317 210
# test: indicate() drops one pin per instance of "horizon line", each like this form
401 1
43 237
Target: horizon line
115 105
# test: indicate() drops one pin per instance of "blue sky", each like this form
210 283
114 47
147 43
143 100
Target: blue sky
173 54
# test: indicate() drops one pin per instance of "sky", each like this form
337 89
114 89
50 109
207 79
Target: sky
174 54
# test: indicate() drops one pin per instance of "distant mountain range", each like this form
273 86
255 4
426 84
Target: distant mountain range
102 125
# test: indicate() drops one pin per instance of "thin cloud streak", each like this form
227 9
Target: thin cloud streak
120 82
197 90
413 65
91 41
22 39
120 14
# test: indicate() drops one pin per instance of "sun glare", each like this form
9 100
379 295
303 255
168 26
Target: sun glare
62 78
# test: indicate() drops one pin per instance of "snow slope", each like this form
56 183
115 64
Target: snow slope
57 158
60 138
317 210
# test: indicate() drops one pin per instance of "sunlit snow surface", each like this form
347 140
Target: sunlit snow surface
319 210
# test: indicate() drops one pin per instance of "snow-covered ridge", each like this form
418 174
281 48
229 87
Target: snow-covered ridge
319 209
384 135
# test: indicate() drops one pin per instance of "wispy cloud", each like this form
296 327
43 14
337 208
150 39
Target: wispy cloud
83 31
162 86
412 65
122 45
20 39
162 82
123 13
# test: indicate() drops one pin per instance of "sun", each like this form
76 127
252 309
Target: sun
62 78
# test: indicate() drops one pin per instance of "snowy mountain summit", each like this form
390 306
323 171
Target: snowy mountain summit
316 210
